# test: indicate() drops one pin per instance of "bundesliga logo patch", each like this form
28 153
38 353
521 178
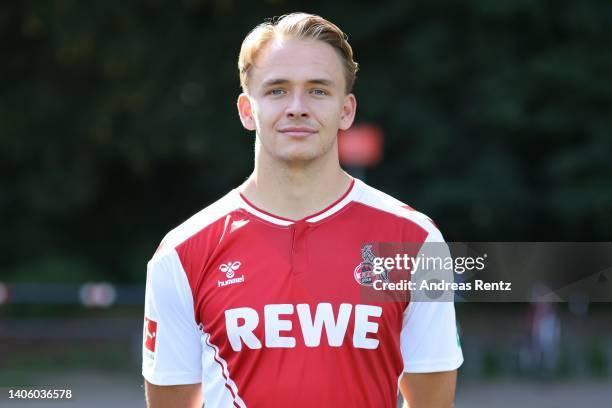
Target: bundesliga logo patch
150 334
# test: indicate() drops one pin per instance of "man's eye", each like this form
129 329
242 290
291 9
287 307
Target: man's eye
276 92
319 92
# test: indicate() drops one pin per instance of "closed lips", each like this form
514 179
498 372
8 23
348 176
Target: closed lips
297 131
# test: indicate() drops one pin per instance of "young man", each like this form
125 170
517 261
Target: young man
257 300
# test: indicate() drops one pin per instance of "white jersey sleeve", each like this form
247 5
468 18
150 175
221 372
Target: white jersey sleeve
172 348
429 339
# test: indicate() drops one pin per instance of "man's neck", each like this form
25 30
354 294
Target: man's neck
295 192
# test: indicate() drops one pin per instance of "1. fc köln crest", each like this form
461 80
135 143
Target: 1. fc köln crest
364 272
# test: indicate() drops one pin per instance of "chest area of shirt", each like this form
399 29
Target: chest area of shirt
287 291
291 265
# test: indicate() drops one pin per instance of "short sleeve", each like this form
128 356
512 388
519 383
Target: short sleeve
429 339
171 351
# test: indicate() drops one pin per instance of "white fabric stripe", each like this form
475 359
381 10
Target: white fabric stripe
219 397
169 302
200 220
353 195
258 213
213 384
384 202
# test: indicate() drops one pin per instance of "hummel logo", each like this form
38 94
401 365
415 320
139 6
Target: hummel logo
229 269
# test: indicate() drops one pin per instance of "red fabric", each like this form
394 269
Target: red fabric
150 334
303 263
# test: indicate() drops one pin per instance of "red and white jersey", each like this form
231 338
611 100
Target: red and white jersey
269 312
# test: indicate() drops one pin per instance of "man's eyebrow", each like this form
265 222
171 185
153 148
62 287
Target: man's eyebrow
283 81
275 81
322 81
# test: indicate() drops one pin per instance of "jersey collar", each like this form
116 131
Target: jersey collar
353 191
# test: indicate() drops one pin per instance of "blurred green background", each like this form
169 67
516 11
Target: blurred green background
118 121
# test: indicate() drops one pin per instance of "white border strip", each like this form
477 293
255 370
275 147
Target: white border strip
229 381
351 196
259 214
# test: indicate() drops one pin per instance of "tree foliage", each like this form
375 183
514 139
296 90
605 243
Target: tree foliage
117 120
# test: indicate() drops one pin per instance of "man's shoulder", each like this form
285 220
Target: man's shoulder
386 203
199 222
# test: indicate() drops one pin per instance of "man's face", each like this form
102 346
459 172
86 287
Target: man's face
296 100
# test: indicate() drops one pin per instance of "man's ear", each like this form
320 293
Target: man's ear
245 111
349 108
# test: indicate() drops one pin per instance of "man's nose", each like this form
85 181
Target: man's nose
297 107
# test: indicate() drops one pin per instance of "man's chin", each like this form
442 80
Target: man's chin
299 158
300 155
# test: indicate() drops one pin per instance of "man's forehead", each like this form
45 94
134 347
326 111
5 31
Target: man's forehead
297 60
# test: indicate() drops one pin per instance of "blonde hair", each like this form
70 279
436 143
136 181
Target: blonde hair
300 26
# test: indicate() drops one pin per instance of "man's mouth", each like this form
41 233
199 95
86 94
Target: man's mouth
297 131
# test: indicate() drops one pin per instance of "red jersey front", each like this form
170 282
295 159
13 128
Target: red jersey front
267 312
